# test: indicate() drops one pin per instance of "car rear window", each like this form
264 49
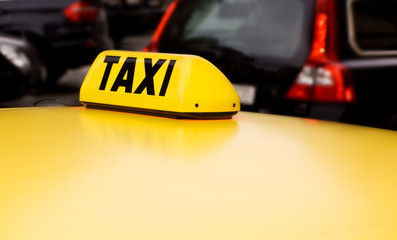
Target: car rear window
374 24
275 29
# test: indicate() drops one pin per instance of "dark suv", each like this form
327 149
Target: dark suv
65 33
326 59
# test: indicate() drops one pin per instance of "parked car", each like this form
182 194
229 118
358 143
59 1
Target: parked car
19 66
65 33
132 16
326 59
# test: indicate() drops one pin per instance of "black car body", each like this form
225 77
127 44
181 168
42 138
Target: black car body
19 66
326 59
132 16
66 33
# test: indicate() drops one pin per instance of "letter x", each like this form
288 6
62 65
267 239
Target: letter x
150 71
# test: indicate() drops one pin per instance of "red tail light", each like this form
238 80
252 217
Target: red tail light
153 46
81 12
322 78
326 83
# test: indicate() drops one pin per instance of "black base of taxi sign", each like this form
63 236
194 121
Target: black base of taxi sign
171 85
176 115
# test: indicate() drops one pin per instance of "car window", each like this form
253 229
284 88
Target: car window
275 29
375 24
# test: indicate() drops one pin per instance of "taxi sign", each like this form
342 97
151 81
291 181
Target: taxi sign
156 83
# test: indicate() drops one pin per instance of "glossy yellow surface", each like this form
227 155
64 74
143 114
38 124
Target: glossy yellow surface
158 81
76 173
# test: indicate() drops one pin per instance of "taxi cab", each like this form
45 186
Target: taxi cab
160 150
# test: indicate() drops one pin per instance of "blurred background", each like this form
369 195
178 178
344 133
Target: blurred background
322 59
47 46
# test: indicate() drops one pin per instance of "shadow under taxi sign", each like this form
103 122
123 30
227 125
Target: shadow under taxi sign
167 84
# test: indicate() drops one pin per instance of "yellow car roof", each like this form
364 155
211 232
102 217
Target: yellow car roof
77 173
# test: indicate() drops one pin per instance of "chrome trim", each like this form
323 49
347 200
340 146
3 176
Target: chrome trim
352 36
12 41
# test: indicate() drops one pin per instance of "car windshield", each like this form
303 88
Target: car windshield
243 25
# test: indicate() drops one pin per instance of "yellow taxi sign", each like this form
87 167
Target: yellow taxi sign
168 84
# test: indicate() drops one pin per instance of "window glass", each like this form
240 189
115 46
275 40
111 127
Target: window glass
275 29
375 24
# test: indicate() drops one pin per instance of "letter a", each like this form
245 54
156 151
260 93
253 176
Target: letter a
129 68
